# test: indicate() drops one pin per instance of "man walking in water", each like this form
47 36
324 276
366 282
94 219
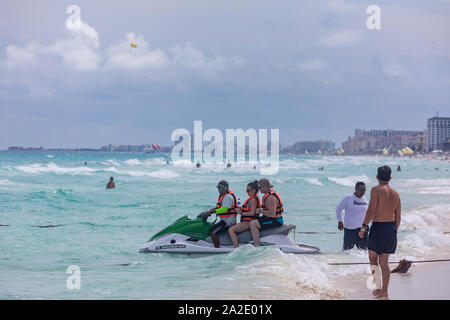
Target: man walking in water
385 213
355 206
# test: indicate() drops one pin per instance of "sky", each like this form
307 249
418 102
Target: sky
312 69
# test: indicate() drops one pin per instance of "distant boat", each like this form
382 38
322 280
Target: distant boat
319 152
306 152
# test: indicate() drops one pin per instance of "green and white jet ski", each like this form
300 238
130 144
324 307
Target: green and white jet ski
191 236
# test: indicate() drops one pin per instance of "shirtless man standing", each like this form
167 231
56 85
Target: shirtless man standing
385 213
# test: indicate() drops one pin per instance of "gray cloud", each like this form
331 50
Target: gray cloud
314 71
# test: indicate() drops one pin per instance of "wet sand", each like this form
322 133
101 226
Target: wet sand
424 281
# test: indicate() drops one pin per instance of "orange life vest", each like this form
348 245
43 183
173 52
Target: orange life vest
245 209
231 211
280 210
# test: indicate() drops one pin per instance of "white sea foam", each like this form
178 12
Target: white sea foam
350 181
433 190
432 215
5 182
314 181
291 164
425 186
161 174
133 162
147 162
425 228
51 167
290 276
111 161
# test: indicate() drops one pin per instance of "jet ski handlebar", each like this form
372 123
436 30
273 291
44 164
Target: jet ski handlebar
204 215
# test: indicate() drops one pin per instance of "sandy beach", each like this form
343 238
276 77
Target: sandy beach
423 281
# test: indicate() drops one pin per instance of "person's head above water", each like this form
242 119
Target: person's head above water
111 179
252 188
384 174
264 185
222 186
360 189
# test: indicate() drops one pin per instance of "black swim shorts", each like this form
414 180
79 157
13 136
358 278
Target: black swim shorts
267 223
383 237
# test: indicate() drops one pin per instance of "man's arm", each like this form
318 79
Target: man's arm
398 213
370 211
372 206
221 210
341 206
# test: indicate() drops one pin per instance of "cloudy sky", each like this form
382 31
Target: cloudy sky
309 68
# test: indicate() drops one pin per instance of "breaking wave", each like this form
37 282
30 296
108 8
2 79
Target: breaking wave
38 168
350 181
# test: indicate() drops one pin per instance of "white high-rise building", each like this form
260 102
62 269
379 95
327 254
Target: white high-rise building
438 132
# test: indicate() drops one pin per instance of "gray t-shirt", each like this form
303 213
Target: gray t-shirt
228 201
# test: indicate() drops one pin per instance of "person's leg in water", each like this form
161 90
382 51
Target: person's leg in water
373 258
237 228
254 229
386 273
349 239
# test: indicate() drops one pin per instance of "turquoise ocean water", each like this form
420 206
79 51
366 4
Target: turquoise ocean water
102 231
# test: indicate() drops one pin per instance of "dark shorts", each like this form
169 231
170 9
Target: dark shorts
383 237
219 226
267 223
351 238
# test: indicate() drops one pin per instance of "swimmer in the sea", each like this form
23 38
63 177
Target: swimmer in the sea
111 184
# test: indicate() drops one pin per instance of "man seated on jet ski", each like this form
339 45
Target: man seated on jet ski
225 210
271 210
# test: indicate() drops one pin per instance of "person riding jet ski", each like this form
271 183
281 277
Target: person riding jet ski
271 211
198 236
225 210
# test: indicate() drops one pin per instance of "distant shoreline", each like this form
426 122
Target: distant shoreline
425 156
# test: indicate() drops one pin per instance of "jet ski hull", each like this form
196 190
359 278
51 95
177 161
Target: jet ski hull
179 243
192 236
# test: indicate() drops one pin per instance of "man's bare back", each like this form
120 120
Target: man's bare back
384 205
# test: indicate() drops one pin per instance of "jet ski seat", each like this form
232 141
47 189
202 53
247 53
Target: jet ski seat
246 236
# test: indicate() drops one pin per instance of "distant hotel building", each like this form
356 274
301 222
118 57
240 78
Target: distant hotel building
310 146
387 133
438 132
373 141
